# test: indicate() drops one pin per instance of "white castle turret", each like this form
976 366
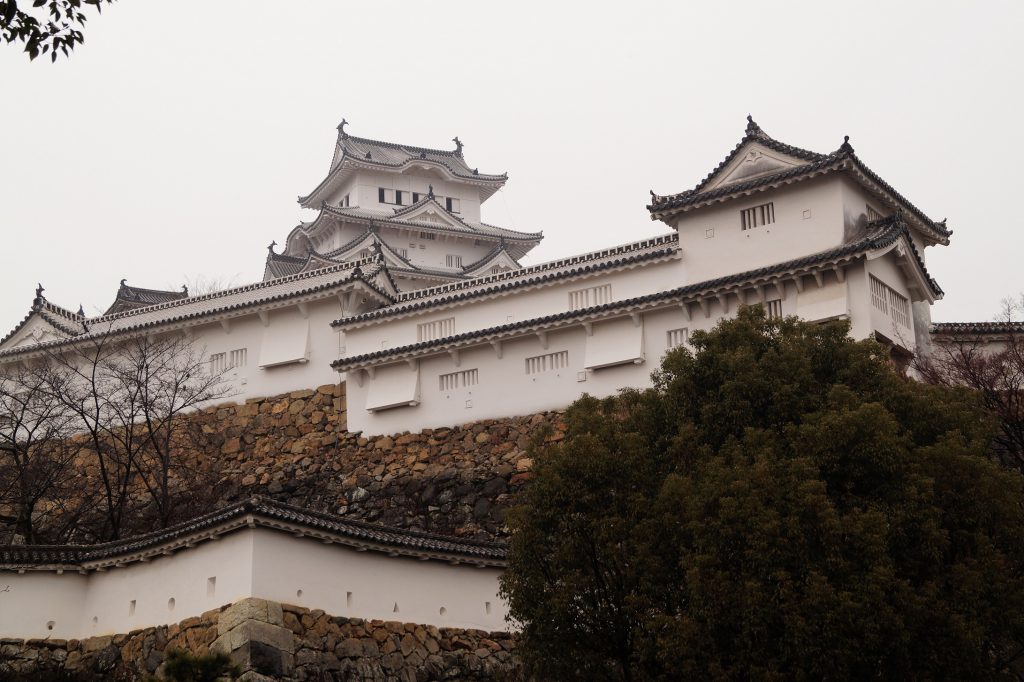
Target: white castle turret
418 207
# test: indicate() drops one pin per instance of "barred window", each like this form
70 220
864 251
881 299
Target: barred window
591 296
677 337
428 331
462 379
548 362
873 214
773 309
453 261
238 357
218 363
890 301
757 216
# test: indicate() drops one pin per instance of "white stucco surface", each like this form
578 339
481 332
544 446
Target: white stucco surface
250 562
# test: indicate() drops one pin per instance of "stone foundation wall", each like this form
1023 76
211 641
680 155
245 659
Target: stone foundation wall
294 448
272 641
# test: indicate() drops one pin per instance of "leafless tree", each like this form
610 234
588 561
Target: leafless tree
37 449
127 397
172 377
991 361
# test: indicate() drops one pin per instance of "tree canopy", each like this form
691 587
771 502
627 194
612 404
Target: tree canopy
48 26
780 505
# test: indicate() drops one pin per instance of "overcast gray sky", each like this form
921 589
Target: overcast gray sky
173 144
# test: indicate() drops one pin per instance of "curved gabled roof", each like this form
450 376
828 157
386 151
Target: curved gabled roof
842 160
61 319
361 152
129 297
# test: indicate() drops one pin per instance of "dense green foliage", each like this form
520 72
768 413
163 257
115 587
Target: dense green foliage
781 505
181 666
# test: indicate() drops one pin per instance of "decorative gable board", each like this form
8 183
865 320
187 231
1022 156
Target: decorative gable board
430 213
501 260
753 161
35 330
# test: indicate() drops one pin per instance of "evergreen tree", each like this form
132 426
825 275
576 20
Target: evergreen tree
780 505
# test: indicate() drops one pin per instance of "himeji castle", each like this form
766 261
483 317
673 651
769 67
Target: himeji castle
400 289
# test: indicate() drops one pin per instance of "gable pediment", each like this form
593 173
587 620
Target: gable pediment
34 330
751 162
500 262
431 212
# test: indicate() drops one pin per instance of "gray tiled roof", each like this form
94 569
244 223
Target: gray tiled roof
883 234
265 513
843 158
953 328
362 152
625 254
129 297
226 301
462 226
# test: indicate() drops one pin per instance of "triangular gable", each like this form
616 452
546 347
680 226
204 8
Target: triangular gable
753 160
351 250
35 328
429 211
495 262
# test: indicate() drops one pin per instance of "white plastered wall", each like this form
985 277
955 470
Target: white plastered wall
251 562
99 603
368 183
515 306
249 332
369 585
808 219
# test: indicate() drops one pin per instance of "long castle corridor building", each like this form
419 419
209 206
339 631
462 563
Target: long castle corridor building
399 288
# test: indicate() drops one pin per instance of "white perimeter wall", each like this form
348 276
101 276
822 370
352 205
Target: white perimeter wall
344 582
249 563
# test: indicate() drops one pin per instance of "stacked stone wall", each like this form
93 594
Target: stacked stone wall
294 448
272 641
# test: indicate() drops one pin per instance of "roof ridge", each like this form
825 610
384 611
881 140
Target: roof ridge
346 212
754 133
398 145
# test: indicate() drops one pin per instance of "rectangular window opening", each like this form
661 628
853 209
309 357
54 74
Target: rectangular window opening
548 362
591 296
428 331
756 216
891 302
218 363
453 261
461 379
677 337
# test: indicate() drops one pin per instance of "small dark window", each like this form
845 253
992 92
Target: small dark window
398 197
380 194
448 203
757 216
415 197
